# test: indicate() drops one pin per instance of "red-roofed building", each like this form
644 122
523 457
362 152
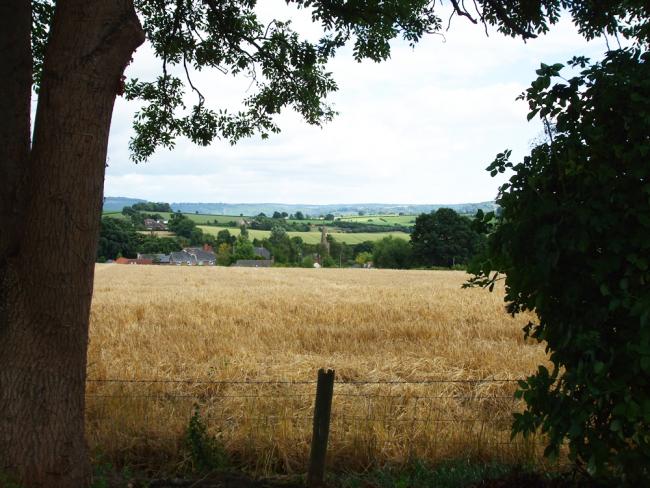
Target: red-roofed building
133 261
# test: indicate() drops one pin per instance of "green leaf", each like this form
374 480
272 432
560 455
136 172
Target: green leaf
645 363
604 290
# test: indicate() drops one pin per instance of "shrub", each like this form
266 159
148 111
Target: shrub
205 452
572 240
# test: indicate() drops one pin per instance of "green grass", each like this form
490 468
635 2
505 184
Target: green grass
450 474
381 219
200 219
311 237
115 215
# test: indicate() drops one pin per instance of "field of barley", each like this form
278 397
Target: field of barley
244 346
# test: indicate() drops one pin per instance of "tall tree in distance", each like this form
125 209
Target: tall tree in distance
74 53
444 238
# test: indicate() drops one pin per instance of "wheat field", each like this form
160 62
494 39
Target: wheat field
243 345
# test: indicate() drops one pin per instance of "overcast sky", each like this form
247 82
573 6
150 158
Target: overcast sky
418 128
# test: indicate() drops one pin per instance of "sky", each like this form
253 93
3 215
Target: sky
419 128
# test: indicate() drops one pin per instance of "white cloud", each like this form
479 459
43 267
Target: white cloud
419 128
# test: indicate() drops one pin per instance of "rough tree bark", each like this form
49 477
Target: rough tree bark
50 205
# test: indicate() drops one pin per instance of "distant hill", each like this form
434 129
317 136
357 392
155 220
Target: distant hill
117 203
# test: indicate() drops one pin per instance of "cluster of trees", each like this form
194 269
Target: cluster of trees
441 238
230 248
297 216
186 228
151 207
445 238
119 238
145 210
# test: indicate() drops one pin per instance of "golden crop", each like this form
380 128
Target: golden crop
271 330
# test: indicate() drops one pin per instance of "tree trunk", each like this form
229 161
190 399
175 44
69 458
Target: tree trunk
47 258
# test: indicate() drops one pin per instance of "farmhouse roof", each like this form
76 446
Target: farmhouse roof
160 258
200 255
262 252
122 260
151 224
181 257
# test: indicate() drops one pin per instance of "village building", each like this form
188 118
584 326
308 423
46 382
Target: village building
181 258
155 258
194 256
151 224
121 260
262 252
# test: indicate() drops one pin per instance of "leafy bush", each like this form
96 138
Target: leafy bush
392 252
572 240
205 452
328 262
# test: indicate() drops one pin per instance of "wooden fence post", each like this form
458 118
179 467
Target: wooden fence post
322 411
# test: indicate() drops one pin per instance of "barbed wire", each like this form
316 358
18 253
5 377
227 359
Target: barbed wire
202 382
164 396
303 382
310 395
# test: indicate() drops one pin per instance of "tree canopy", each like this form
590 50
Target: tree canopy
288 71
444 238
392 252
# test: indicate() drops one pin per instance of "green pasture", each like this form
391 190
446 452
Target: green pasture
311 237
381 219
115 215
200 219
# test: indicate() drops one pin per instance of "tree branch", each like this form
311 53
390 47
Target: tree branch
505 19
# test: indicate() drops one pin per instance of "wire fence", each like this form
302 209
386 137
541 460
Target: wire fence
266 425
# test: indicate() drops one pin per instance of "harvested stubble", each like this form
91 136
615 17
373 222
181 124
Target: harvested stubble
232 333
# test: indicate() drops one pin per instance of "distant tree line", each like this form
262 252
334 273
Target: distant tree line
367 227
152 207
